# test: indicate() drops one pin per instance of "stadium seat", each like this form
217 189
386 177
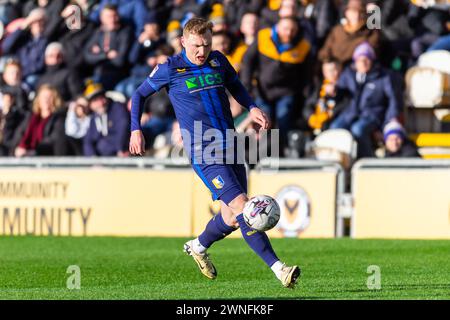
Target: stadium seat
433 145
337 145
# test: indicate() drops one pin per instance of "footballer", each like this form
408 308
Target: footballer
196 80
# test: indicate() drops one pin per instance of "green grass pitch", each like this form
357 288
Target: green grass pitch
156 268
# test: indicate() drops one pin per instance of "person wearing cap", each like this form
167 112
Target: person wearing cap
217 17
397 144
108 129
28 44
345 37
173 34
375 98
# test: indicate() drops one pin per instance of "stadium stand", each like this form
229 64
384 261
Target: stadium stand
117 43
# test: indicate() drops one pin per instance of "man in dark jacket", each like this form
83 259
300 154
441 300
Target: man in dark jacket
65 80
73 32
11 81
375 99
108 130
279 57
131 12
107 49
28 44
10 119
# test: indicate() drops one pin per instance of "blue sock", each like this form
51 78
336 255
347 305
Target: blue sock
215 230
258 241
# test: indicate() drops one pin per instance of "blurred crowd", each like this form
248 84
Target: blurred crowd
69 68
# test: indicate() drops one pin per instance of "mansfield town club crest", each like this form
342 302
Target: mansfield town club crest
214 63
295 211
218 182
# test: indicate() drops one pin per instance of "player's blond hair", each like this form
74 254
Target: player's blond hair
197 26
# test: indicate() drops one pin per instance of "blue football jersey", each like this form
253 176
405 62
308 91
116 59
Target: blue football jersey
198 93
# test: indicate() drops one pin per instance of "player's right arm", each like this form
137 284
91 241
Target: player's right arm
158 79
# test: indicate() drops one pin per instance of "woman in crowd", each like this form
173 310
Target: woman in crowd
44 133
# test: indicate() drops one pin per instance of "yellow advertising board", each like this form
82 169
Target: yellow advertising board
137 202
307 201
96 201
401 204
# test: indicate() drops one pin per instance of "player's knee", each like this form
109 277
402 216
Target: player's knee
230 220
227 215
237 205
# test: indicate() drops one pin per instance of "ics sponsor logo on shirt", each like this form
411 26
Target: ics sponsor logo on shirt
206 81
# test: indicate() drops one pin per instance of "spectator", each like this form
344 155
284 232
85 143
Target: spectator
159 116
10 119
44 133
443 43
217 17
273 12
77 124
183 10
375 99
29 45
52 9
143 58
11 81
221 41
344 38
322 15
131 12
148 41
235 11
279 55
323 105
174 33
73 34
107 49
108 131
248 29
58 75
397 145
142 69
429 24
9 10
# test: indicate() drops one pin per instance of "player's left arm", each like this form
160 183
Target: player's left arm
238 91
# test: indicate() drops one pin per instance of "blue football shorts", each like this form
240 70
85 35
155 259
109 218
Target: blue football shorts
225 181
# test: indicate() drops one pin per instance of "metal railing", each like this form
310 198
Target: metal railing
114 162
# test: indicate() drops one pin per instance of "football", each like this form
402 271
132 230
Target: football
261 213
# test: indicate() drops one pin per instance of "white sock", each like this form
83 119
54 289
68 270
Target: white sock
197 247
276 268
